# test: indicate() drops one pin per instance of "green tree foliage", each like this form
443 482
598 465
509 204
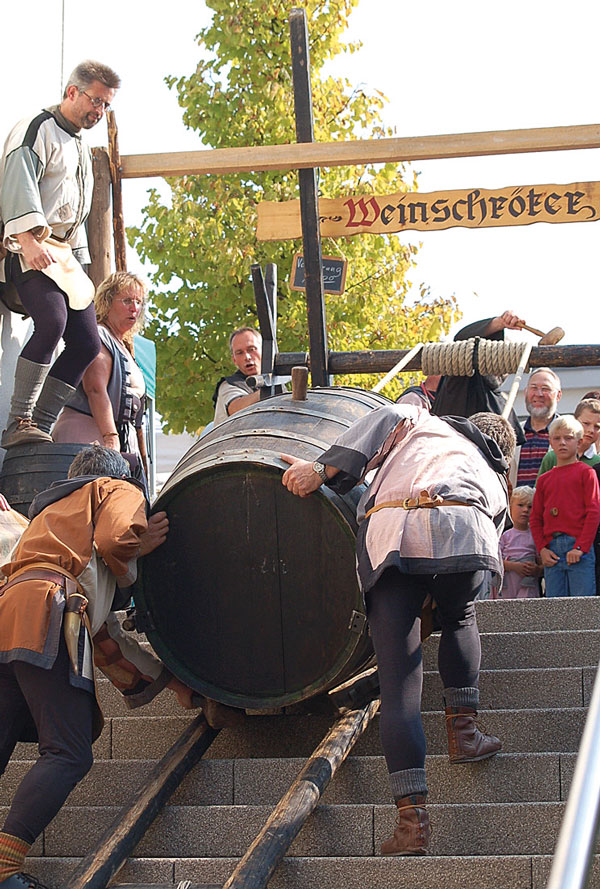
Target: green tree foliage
203 243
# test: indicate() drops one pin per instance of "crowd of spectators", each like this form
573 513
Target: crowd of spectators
551 546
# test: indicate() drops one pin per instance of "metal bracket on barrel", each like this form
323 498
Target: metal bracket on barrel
357 622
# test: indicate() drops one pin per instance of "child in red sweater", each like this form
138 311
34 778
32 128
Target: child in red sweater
565 515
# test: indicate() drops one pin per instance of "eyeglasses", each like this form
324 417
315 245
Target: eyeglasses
541 390
130 301
97 102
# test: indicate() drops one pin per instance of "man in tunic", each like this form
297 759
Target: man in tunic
46 187
429 526
66 577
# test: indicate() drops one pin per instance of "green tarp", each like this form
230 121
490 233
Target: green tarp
145 356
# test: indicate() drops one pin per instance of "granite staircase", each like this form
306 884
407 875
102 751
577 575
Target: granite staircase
495 822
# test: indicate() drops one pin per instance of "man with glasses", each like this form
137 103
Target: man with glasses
46 187
542 395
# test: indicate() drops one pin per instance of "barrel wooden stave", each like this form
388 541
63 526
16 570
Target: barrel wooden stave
251 597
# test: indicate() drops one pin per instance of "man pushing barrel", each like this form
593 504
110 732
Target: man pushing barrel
429 525
56 619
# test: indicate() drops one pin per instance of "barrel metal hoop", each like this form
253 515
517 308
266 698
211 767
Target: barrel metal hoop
245 456
321 415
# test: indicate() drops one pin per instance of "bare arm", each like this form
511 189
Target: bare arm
95 385
243 401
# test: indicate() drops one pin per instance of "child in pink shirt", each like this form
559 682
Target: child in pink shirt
522 568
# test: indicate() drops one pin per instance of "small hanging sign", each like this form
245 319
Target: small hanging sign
334 274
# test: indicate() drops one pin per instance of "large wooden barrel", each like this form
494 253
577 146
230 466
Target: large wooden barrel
253 598
30 468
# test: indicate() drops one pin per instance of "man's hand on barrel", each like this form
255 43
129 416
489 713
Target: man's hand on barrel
300 478
155 534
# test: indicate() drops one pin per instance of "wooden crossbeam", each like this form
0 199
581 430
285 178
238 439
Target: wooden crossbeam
365 151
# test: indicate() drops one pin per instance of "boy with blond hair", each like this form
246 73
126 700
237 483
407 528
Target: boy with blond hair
588 414
565 515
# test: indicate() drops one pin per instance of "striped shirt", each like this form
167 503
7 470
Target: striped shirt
532 452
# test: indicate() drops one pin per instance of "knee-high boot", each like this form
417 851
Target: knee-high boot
54 395
20 426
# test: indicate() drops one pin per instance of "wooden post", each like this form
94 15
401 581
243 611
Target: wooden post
118 842
309 202
99 235
279 831
115 175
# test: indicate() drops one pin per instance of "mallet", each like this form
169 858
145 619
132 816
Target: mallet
551 338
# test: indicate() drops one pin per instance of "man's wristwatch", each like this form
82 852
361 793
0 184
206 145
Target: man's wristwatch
321 471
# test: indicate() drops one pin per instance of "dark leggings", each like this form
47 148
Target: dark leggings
52 319
394 608
63 718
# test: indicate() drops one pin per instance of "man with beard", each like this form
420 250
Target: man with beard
542 395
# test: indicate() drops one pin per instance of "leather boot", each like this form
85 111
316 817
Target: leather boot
54 395
412 833
465 742
20 428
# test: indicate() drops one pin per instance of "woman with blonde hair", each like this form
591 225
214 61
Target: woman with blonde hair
108 404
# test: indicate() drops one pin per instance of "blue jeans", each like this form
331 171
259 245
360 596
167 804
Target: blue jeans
570 580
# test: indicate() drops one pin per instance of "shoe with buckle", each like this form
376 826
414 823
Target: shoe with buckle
413 831
22 430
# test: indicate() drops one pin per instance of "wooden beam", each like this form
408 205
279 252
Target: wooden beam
259 863
309 202
117 843
365 151
382 360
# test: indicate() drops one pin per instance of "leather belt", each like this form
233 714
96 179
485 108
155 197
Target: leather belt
423 501
56 577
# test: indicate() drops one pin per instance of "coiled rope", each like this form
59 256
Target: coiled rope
463 358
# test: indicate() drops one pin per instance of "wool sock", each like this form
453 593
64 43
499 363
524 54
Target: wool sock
12 855
407 782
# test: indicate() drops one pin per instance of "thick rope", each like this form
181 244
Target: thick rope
456 359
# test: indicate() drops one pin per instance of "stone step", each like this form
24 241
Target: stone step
304 872
503 689
521 731
340 830
527 615
506 651
533 777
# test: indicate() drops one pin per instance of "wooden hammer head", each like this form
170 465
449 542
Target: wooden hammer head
553 337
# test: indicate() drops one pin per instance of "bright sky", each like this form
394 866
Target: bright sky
465 66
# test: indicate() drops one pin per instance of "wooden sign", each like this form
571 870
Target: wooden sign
434 211
334 274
